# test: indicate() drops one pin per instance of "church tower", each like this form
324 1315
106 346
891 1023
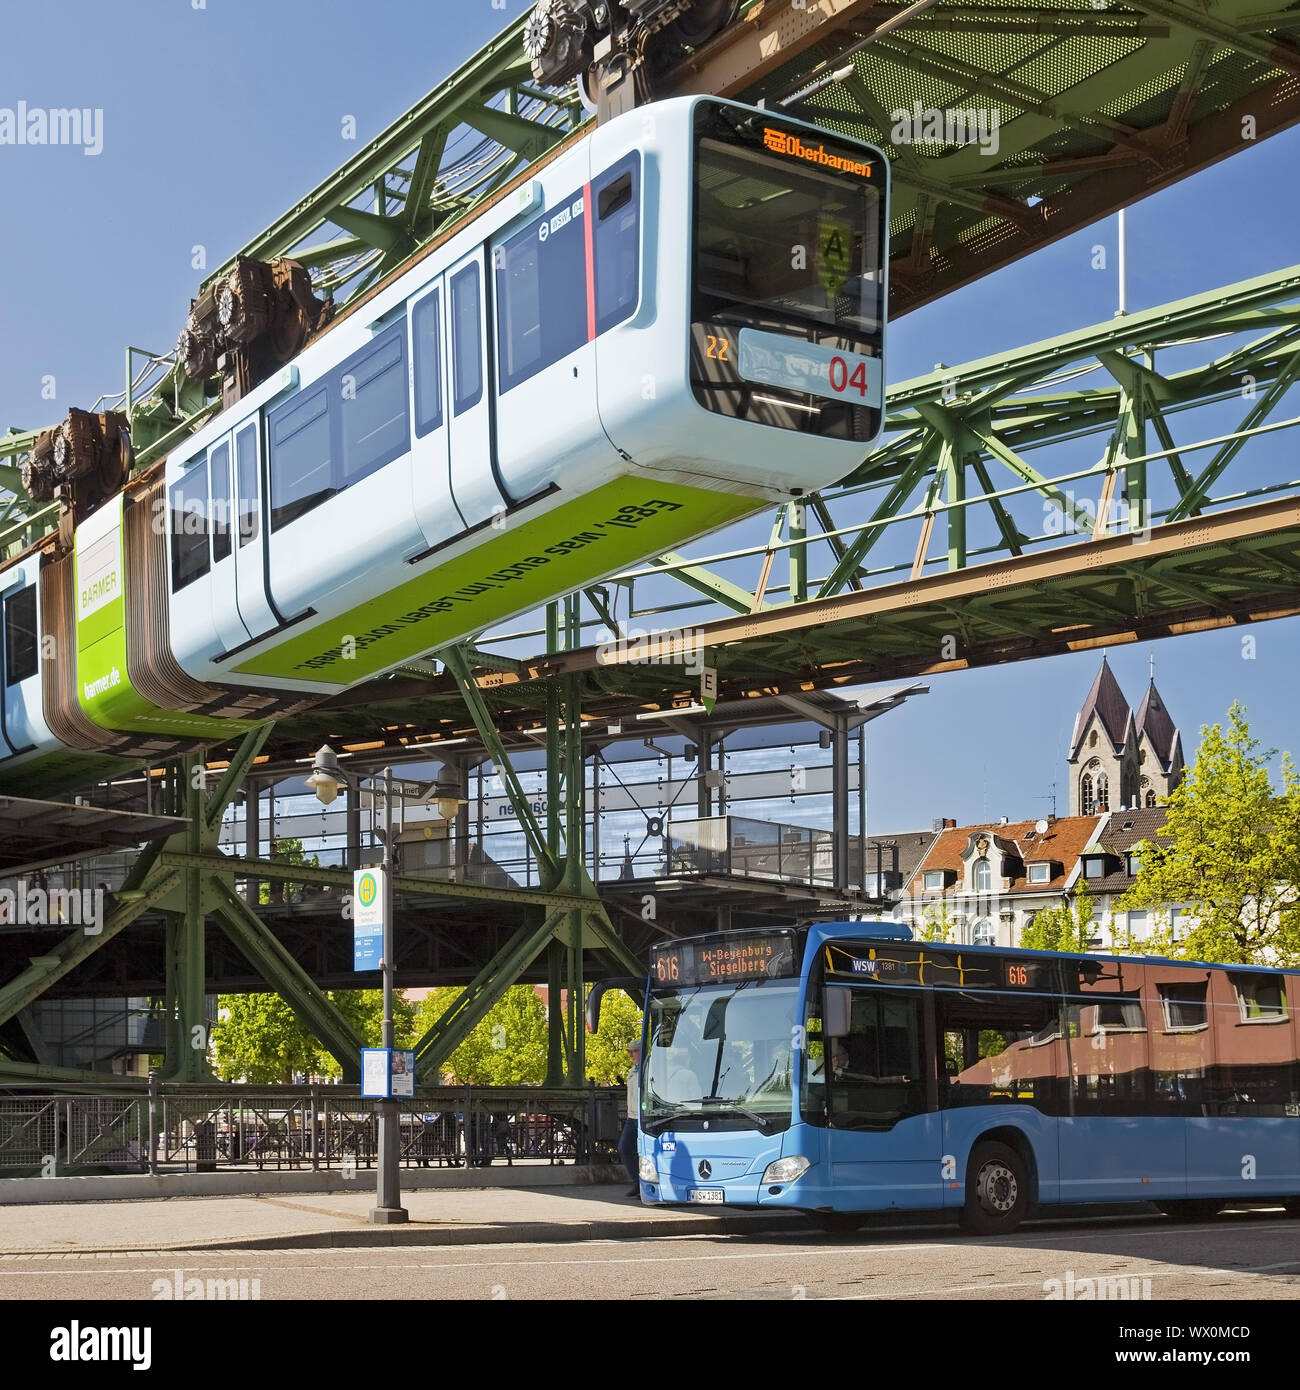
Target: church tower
1117 759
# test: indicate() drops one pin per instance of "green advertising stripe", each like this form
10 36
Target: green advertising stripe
509 572
104 688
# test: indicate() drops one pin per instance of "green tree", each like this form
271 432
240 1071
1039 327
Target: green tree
281 890
259 1039
506 1048
1233 855
937 922
608 1059
1064 926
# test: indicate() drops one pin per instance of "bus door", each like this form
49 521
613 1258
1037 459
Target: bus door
883 1135
470 435
431 495
221 579
249 533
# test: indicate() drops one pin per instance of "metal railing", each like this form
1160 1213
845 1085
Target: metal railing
738 847
308 1127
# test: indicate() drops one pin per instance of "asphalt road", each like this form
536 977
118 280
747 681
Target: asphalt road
1252 1256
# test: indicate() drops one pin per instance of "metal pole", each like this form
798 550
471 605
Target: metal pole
388 1204
1123 264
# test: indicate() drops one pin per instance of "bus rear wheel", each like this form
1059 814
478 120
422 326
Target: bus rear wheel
997 1191
1190 1211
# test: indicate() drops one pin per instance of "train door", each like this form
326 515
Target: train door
221 580
470 437
431 493
255 611
20 644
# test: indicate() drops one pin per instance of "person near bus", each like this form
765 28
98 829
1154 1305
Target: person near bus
627 1140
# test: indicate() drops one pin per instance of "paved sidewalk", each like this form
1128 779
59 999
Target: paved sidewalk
339 1219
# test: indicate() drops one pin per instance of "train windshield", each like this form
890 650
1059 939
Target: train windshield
788 285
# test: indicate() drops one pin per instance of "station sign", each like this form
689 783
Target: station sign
368 898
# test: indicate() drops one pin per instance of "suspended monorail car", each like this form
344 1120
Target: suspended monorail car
673 321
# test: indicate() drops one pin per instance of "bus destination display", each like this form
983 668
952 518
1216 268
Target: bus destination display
736 957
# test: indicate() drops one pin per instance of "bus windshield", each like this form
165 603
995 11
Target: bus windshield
789 237
721 1052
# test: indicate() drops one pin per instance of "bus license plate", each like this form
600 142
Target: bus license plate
704 1194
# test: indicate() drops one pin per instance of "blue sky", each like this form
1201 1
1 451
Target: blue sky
216 118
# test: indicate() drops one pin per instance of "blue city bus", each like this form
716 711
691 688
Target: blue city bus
846 1068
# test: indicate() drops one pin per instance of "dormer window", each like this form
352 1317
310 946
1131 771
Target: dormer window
1094 866
983 876
1040 873
1134 864
933 879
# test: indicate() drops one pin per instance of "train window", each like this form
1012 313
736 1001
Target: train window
426 344
301 456
246 471
541 276
372 406
190 559
466 340
20 635
219 473
618 243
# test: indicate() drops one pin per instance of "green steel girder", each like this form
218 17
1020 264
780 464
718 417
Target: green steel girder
269 957
457 663
76 947
230 867
470 1007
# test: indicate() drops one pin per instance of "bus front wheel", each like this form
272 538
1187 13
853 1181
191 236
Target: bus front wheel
997 1191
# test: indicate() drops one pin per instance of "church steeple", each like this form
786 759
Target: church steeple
1117 759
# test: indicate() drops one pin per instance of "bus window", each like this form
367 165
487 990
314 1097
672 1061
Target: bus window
426 340
541 279
618 243
466 340
246 469
219 472
373 428
1001 1047
189 520
876 1076
20 635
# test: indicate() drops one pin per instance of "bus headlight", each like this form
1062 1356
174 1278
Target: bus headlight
786 1169
645 1167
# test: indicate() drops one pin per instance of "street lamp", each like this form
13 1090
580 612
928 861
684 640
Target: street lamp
326 780
327 776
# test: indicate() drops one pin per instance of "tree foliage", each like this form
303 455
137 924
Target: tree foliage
281 890
608 1059
1233 855
506 1048
259 1039
937 923
1065 926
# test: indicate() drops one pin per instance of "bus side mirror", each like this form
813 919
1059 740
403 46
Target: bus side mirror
633 984
836 1008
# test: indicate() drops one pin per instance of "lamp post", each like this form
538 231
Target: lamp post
325 780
